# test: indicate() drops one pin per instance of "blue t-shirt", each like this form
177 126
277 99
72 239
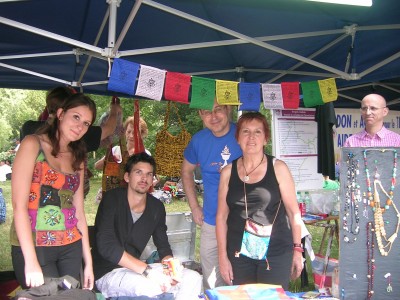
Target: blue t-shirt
212 154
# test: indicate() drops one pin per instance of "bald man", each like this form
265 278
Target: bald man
373 111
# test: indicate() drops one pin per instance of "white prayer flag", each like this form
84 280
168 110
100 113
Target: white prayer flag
272 96
150 83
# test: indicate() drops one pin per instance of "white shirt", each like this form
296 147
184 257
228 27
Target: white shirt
116 151
4 170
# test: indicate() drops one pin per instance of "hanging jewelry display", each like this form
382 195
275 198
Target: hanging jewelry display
369 174
370 258
375 203
351 217
389 288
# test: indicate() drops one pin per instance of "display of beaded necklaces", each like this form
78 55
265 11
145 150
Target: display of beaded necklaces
375 203
351 218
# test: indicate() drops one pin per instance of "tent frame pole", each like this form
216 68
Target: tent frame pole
50 35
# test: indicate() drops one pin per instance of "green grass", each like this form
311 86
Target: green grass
175 206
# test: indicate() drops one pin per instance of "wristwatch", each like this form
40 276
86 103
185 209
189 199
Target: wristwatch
146 271
297 245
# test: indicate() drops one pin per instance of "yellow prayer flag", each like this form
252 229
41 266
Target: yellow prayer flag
227 92
328 90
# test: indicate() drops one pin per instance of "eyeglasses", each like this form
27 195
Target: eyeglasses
373 109
217 110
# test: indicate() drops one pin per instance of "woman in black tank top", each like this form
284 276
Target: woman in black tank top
271 199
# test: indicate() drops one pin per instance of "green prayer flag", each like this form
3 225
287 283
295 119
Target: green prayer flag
311 94
203 93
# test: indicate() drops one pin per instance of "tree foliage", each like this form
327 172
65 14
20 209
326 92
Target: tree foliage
16 107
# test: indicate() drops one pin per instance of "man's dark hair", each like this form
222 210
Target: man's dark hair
140 157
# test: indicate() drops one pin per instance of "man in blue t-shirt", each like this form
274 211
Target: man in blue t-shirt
212 148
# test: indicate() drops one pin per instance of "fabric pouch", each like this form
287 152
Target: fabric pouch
255 241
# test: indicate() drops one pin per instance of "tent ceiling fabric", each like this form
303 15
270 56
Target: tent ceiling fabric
49 42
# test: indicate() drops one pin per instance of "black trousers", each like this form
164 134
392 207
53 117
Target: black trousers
247 270
55 261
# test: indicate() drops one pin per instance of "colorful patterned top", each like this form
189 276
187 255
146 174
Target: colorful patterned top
50 207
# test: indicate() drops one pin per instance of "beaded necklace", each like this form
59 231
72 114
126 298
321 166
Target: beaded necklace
351 218
375 203
247 177
366 203
370 258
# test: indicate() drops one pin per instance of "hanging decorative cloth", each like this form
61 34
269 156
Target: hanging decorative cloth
227 92
311 94
151 82
250 96
328 89
113 171
272 96
123 76
139 146
169 148
177 86
203 93
291 95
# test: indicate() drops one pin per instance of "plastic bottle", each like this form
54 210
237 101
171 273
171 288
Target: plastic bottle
298 197
307 202
301 203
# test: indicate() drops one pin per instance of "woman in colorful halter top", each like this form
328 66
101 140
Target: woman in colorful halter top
49 233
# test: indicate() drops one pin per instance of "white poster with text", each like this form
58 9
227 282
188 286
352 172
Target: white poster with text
295 142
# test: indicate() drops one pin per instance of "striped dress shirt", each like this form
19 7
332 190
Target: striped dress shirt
383 138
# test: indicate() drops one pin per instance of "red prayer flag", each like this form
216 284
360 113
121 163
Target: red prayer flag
177 87
291 95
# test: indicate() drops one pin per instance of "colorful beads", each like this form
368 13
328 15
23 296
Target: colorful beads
370 258
384 243
353 197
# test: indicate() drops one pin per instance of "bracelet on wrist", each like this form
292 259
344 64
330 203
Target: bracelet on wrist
298 249
146 271
298 245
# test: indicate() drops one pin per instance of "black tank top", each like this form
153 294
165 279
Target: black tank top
263 199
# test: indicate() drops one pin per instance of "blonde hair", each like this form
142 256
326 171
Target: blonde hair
144 131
